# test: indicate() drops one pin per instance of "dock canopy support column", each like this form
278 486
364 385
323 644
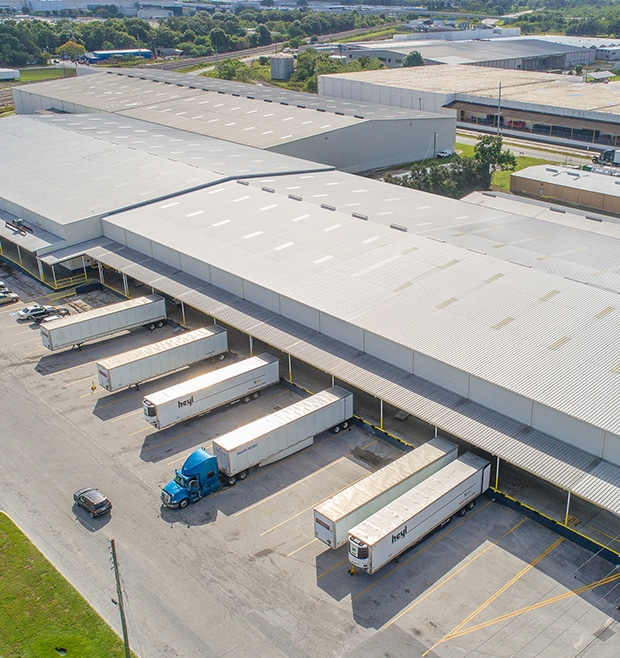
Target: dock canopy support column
251 347
567 509
290 369
380 414
125 285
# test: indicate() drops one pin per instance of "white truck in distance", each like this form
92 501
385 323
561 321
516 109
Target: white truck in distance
282 433
334 518
239 381
429 505
74 330
144 363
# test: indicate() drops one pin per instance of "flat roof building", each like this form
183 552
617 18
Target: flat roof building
477 335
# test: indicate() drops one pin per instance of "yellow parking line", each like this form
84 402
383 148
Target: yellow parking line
281 491
30 340
302 547
422 550
539 604
454 632
79 381
454 574
127 415
144 429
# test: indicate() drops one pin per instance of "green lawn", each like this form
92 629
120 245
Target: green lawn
41 615
34 75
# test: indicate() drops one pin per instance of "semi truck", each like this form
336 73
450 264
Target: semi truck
609 157
151 361
241 381
74 330
407 520
259 443
333 518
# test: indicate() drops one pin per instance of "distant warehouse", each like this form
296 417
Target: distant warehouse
105 55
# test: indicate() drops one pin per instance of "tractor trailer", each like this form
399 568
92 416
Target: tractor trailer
151 361
609 157
74 330
200 395
407 520
334 518
258 443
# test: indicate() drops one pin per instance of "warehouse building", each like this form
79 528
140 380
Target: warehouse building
351 136
547 105
585 189
385 289
517 53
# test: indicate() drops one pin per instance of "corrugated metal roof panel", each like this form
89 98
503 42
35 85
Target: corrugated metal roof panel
601 486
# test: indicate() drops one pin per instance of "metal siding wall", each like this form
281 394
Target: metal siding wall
167 255
567 429
139 243
227 281
398 355
261 296
441 374
196 268
115 232
342 331
611 448
500 399
301 313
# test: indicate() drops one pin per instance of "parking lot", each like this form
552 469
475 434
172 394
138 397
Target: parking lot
240 571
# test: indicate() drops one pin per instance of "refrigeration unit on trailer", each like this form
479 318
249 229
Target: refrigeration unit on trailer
429 505
241 381
282 433
144 363
74 330
334 518
256 444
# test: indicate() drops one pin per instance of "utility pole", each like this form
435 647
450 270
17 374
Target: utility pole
119 593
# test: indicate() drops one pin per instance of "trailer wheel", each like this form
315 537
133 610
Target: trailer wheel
247 398
471 505
151 327
221 357
230 481
336 429
243 475
462 511
184 503
160 324
345 424
92 516
255 395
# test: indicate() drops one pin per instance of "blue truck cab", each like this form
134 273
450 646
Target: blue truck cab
197 477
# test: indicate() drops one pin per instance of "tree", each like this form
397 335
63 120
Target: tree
70 50
488 151
413 59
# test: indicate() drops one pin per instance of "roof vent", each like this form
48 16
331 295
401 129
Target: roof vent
399 227
551 169
357 116
243 182
327 206
320 109
237 95
594 219
340 114
359 215
294 197
489 194
250 97
576 174
552 209
264 188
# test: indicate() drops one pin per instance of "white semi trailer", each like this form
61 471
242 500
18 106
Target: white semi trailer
74 330
151 361
282 433
239 381
334 518
404 522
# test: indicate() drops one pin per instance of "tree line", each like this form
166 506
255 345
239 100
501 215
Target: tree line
34 41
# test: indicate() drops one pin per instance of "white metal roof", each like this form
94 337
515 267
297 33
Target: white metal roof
546 457
538 235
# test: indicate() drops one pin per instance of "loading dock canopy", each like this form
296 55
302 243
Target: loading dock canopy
565 466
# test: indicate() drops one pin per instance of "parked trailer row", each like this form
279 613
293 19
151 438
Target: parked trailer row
239 381
259 443
334 518
403 523
151 361
74 330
